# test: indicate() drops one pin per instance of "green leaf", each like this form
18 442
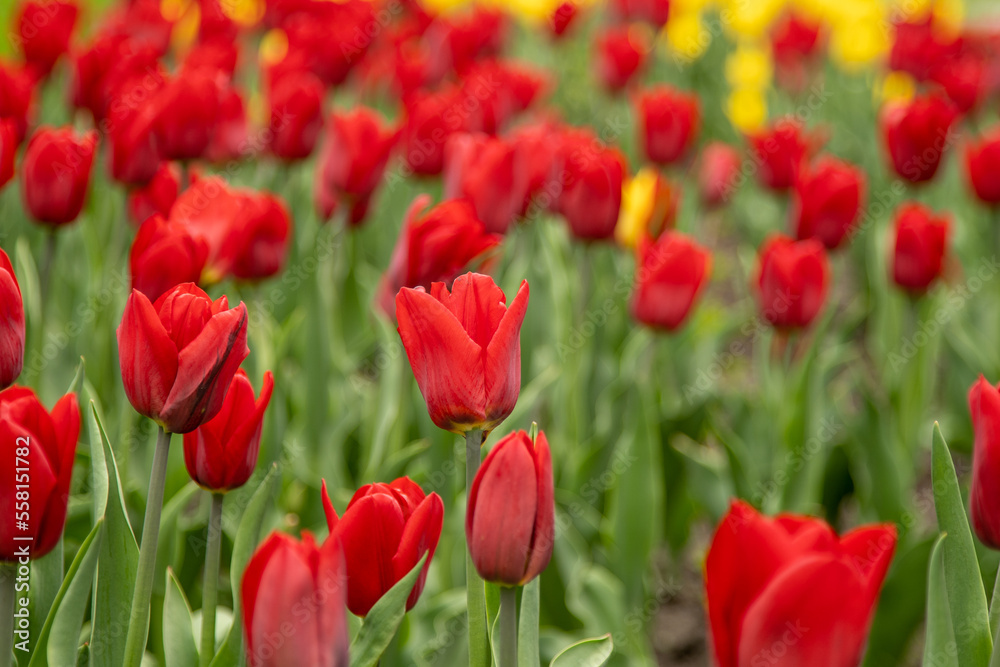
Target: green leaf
966 595
77 383
587 653
168 531
247 538
492 615
116 566
383 621
178 631
527 629
57 643
98 466
46 580
939 633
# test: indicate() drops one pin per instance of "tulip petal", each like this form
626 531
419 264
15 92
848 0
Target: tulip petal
331 514
147 355
421 534
370 531
543 535
503 360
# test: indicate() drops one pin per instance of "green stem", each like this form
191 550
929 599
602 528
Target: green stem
138 625
8 573
210 590
479 644
508 627
47 260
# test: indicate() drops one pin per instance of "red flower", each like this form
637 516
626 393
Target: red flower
827 200
296 115
982 161
792 582
230 139
964 79
17 89
430 119
656 12
916 135
535 148
920 247
179 354
510 522
11 324
792 281
434 247
780 152
562 18
984 499
385 531
45 29
48 443
592 192
156 197
55 174
135 154
164 255
221 454
919 46
668 123
282 579
671 273
620 53
352 161
501 90
187 115
482 170
456 42
794 41
718 173
8 150
465 350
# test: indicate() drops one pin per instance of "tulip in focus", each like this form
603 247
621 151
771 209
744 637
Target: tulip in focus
672 272
827 201
792 281
718 173
11 324
620 53
510 520
982 162
916 135
668 122
464 347
55 174
385 531
791 582
920 247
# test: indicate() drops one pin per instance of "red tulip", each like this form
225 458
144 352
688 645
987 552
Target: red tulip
45 29
984 499
430 119
296 115
671 273
55 174
230 140
131 122
156 197
11 324
982 161
653 11
718 173
620 52
510 521
497 91
8 150
328 39
827 201
794 41
465 350
919 46
917 134
433 247
17 89
221 454
792 281
562 18
592 192
482 170
352 161
385 531
780 152
788 590
535 149
46 443
668 123
456 42
260 240
188 114
217 57
164 255
178 355
293 599
964 79
920 247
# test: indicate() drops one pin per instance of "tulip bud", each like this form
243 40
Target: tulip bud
792 281
385 531
164 255
156 197
179 354
482 170
982 161
668 123
465 350
672 272
792 582
620 53
11 324
916 135
826 202
283 579
718 172
920 247
510 520
296 115
47 442
45 29
55 174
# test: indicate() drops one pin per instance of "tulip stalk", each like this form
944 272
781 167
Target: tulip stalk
138 627
7 575
210 590
508 627
479 648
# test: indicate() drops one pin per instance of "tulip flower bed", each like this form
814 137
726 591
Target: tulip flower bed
391 332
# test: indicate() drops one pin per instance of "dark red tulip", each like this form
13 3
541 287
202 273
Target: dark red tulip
284 578
187 115
718 173
179 354
465 350
164 255
47 442
916 135
11 324
156 197
592 192
430 119
296 115
620 53
562 18
352 162
44 32
221 454
482 169
668 122
55 174
671 273
792 281
982 162
789 591
984 494
780 151
17 90
827 201
8 150
920 247
510 521
434 246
